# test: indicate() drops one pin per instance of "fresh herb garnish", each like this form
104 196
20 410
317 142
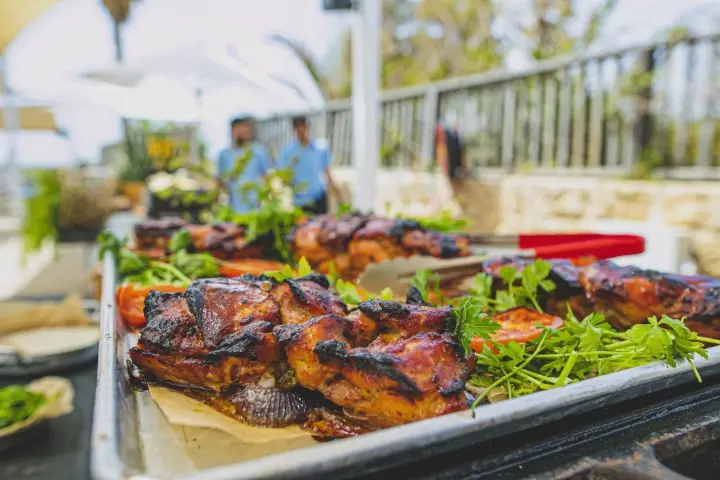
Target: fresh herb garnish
18 404
442 222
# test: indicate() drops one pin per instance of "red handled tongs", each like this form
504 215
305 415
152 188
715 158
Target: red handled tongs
397 274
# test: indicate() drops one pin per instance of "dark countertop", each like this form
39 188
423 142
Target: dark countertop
59 450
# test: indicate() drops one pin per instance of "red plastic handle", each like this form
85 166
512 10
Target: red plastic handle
537 240
602 248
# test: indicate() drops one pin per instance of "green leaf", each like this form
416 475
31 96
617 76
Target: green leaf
348 293
508 274
386 294
180 240
304 267
421 281
482 286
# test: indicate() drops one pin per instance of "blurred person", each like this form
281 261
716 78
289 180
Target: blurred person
450 152
232 175
310 161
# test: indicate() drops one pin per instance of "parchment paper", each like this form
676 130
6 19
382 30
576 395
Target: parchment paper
181 435
19 316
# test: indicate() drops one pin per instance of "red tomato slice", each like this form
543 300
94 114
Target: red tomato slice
519 325
130 299
255 266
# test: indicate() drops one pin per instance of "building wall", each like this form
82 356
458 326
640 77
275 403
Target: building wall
525 203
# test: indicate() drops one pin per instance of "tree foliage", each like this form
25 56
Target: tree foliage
428 40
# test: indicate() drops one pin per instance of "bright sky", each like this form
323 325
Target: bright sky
76 36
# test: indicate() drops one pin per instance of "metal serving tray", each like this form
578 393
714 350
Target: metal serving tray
12 364
122 449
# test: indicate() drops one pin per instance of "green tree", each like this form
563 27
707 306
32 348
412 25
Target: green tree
548 28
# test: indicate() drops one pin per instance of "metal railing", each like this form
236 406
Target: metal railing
648 108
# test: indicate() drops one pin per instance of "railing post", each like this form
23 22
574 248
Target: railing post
428 125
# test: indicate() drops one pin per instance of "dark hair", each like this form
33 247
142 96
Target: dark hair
299 120
239 120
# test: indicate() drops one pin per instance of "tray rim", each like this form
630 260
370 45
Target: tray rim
419 439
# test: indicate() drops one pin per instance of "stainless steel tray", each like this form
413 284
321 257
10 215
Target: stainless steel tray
120 448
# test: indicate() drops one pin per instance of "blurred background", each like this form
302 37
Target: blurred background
572 114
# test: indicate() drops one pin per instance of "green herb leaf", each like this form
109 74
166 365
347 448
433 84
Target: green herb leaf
386 294
181 240
348 293
421 281
304 267
18 404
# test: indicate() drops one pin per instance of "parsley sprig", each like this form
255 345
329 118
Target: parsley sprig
580 349
179 268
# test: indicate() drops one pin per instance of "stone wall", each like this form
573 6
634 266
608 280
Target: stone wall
524 203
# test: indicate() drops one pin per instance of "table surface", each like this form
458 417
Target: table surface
60 450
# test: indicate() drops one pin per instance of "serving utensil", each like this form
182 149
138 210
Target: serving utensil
397 274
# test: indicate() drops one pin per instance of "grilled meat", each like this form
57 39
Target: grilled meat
354 241
628 295
226 241
234 341
385 383
153 236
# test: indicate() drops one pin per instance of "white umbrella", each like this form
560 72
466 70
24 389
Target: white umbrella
196 67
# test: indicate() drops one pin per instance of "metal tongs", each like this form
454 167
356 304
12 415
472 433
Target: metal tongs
397 274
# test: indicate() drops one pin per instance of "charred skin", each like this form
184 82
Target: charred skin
233 342
628 295
354 241
226 241
204 373
173 346
301 299
387 384
154 235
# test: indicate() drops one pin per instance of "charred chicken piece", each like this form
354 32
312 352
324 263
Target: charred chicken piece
226 241
387 321
232 342
385 383
355 241
173 349
219 332
153 236
629 295
301 299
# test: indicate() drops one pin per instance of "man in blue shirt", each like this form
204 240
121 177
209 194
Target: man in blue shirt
310 161
232 175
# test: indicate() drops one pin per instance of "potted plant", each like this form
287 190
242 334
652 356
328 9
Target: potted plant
64 206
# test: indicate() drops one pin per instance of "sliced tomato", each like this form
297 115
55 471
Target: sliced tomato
255 266
519 325
130 299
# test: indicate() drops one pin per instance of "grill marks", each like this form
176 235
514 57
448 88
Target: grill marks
386 362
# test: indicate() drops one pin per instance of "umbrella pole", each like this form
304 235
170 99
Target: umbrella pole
366 102
11 117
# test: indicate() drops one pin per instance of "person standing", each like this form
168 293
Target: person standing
310 161
245 161
450 154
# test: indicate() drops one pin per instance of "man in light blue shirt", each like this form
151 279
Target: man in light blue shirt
310 161
232 175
